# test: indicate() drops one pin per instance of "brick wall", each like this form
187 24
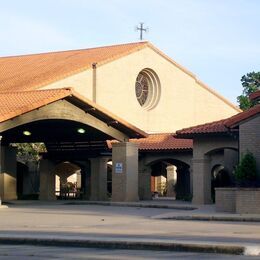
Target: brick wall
248 201
226 200
249 139
238 200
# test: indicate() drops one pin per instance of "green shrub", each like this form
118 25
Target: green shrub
245 172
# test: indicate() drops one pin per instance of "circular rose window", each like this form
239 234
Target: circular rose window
147 88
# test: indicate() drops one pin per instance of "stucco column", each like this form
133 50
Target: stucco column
8 173
125 172
201 181
99 178
171 180
47 180
144 182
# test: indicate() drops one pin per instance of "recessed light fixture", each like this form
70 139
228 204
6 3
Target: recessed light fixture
81 130
27 133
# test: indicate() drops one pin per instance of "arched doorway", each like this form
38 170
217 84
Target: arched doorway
67 180
221 166
219 178
170 178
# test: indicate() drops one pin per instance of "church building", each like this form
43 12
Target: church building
109 115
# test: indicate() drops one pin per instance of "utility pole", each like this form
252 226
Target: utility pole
141 29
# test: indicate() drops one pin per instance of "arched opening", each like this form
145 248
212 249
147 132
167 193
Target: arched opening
222 164
67 181
170 178
219 178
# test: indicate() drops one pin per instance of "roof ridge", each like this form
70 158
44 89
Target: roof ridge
76 50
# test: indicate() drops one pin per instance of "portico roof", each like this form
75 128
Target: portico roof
13 104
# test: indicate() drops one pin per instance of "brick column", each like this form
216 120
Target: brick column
47 180
125 172
145 183
201 181
99 178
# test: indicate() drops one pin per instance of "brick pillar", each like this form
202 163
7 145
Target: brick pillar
145 183
201 181
99 178
47 180
8 190
125 172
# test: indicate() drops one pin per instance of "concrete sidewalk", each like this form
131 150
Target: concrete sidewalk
130 227
184 210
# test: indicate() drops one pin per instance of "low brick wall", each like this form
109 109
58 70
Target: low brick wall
238 200
225 200
248 201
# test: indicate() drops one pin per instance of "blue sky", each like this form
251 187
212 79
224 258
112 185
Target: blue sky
218 40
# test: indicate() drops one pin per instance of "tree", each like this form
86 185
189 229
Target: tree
245 172
29 151
250 83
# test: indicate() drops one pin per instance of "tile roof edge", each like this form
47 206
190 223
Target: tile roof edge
180 135
35 105
239 118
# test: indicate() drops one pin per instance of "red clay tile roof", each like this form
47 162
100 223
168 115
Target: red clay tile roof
220 126
208 128
255 95
160 142
28 72
239 118
13 104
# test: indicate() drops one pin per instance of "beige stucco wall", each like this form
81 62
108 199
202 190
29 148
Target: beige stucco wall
183 102
81 82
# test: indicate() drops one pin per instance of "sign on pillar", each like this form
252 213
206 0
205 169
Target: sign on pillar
125 172
119 167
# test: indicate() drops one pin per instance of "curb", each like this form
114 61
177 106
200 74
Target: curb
143 245
213 218
139 205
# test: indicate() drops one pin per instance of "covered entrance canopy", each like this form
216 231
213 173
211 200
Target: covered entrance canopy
71 126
